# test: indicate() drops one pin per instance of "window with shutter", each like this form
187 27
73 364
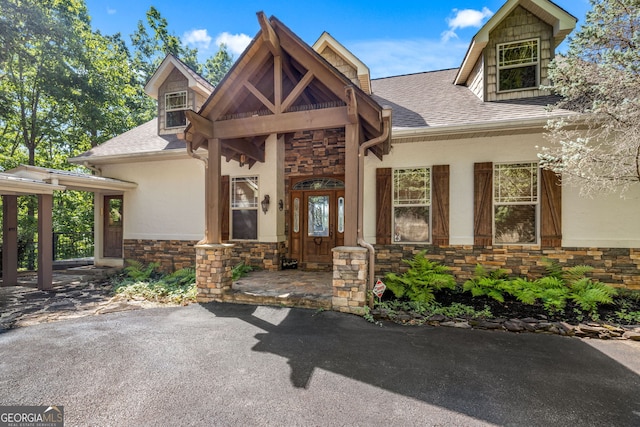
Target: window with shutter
482 192
244 208
383 206
515 203
224 206
411 205
550 209
440 204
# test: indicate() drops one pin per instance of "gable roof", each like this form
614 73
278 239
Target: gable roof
280 85
168 64
559 19
327 40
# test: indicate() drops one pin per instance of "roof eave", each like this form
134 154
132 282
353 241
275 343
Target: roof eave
174 153
470 129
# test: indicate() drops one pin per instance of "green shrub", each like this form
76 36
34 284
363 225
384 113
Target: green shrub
421 280
553 290
144 282
492 284
240 270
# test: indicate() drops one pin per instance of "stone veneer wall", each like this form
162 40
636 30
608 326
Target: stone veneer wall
350 265
266 256
616 266
176 254
171 254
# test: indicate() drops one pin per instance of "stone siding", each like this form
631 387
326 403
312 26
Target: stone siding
176 254
213 272
319 152
266 256
350 265
616 266
171 254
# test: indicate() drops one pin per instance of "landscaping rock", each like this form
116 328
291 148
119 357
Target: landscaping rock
514 325
631 335
437 318
461 325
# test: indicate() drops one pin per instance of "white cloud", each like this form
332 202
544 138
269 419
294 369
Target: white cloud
111 11
198 38
396 57
236 43
463 19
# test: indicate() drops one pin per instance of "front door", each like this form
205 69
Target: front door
112 242
319 226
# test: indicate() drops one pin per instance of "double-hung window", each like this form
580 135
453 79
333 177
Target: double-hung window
244 208
515 203
411 205
518 65
175 104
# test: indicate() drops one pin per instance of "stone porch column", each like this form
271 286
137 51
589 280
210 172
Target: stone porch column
350 266
213 271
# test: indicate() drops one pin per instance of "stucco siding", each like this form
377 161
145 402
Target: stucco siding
605 221
168 203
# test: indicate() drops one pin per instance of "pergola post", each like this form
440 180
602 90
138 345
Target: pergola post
213 224
45 241
352 144
9 240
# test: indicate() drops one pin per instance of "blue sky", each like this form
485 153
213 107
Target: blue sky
391 37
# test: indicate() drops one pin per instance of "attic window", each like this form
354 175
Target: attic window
175 104
518 65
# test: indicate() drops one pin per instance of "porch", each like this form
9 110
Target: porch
291 288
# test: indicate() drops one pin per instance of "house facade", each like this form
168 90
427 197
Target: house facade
298 154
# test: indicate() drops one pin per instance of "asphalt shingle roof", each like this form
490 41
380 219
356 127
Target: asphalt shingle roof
139 140
428 99
431 99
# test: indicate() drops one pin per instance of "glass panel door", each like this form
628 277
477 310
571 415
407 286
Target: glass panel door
318 222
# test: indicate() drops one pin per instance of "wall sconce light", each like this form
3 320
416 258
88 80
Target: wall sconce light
265 203
243 160
280 204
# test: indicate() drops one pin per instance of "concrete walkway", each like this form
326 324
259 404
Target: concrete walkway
233 364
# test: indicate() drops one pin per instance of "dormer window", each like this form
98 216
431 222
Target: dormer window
175 104
518 65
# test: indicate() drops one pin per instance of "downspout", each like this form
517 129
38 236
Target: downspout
386 126
97 170
194 155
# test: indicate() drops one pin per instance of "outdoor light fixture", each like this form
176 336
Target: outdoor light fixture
243 159
265 203
280 204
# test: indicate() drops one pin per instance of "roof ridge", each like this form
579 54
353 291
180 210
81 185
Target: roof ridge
416 73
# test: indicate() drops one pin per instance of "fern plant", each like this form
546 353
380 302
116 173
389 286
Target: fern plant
421 280
492 284
184 276
138 272
589 294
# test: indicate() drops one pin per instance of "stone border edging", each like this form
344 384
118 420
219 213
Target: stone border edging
529 324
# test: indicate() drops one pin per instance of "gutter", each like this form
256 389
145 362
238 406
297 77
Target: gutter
191 153
173 153
386 130
471 128
89 166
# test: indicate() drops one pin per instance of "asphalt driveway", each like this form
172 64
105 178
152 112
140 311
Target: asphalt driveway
224 364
